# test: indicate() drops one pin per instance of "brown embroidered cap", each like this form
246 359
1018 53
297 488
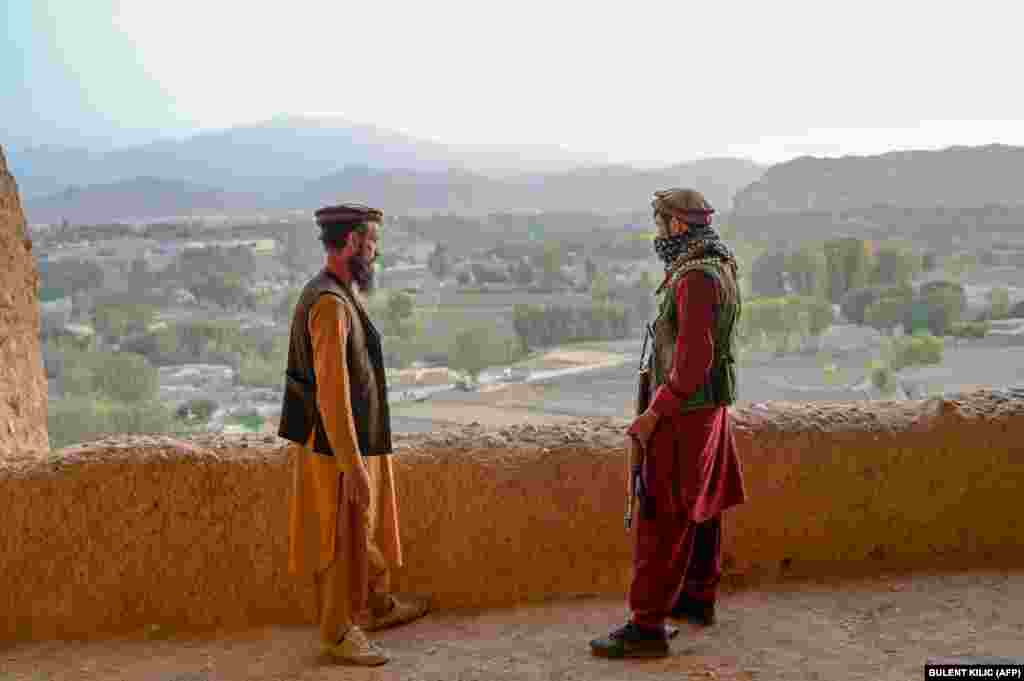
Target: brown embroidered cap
689 205
346 216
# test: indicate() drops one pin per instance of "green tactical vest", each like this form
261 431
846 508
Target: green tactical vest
719 388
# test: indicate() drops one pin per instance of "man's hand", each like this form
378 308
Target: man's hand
642 428
357 484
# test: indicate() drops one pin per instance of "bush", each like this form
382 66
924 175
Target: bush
547 325
882 378
476 349
946 302
971 329
201 411
121 376
891 309
917 350
82 419
286 307
126 377
782 319
117 319
258 371
999 301
198 339
855 303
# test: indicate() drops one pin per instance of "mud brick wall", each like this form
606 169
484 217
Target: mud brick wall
123 533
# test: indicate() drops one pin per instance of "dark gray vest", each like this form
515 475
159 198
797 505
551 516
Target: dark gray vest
365 361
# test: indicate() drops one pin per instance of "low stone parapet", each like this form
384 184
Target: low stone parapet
123 533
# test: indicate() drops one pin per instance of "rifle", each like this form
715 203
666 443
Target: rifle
634 479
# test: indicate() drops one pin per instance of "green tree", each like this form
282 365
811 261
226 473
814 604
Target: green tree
645 287
849 266
600 289
960 264
820 315
999 302
919 350
474 350
126 377
83 419
398 314
258 371
198 339
855 303
591 271
286 308
971 329
886 313
895 264
116 320
946 302
196 411
808 271
882 378
551 262
767 274
224 289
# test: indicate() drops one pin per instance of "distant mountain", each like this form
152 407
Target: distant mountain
957 176
610 189
404 191
606 190
270 157
142 198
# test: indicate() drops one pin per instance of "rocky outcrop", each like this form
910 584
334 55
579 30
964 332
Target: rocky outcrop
23 399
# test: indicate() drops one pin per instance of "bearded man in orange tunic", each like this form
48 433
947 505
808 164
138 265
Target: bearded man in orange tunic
690 472
344 514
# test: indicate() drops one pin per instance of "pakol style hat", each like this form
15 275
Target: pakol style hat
342 218
689 205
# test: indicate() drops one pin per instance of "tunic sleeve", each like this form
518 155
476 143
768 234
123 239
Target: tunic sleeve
695 344
329 324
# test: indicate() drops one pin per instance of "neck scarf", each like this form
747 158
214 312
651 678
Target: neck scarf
699 241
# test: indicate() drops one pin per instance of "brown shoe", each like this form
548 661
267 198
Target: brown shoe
356 649
403 610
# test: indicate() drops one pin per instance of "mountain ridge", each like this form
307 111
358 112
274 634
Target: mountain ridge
608 189
957 176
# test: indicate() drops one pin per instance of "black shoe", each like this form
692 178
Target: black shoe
691 610
632 641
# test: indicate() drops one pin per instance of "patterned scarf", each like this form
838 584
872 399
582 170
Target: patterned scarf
698 241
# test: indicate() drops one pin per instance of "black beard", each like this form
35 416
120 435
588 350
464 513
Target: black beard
362 273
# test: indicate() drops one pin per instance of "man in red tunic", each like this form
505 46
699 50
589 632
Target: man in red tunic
691 472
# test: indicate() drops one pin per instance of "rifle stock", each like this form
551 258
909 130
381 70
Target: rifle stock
634 454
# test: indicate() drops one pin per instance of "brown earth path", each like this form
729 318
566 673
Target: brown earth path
883 628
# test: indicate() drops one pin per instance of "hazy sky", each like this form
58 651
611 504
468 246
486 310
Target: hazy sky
638 81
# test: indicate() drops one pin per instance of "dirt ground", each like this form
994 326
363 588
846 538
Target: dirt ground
885 628
495 405
566 359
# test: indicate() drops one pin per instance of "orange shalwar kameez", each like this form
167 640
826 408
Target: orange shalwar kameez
348 553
